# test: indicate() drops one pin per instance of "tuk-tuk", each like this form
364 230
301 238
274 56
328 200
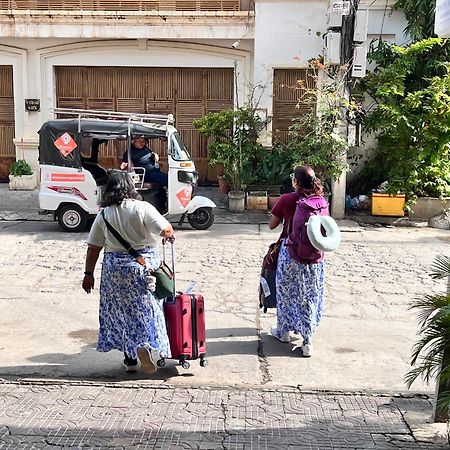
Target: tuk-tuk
72 181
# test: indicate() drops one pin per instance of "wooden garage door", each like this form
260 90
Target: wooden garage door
7 149
188 93
289 99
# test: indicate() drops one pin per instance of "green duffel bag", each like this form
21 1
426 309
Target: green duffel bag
165 281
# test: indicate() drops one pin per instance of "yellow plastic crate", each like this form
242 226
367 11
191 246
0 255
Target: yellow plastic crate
388 205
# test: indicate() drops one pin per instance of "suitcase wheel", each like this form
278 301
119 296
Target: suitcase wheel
185 364
161 362
203 362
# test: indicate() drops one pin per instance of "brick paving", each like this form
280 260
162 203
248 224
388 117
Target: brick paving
81 415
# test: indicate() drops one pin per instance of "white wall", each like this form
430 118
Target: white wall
285 37
126 25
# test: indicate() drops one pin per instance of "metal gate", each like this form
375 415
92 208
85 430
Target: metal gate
188 93
7 148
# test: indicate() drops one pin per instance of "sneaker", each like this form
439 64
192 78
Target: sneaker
307 350
147 363
285 338
131 365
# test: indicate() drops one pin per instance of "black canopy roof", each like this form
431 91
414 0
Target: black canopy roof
78 129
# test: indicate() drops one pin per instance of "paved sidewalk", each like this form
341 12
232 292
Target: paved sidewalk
24 205
81 415
274 399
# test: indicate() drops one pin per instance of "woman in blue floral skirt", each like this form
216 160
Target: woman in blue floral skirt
131 318
299 287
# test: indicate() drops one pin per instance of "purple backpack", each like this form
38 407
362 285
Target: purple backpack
300 247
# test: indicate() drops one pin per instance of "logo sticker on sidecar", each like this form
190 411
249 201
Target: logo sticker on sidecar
65 144
184 196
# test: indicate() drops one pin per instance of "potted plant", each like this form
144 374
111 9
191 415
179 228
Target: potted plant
234 144
274 167
431 354
21 176
224 185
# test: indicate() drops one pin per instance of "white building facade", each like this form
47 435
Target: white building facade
185 57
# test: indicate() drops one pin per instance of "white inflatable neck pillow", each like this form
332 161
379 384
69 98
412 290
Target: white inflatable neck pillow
328 243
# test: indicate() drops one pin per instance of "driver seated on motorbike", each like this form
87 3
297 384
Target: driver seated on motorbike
142 156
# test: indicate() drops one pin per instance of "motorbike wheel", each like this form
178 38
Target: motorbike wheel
72 218
201 218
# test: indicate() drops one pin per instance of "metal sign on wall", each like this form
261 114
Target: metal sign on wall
442 20
32 104
341 7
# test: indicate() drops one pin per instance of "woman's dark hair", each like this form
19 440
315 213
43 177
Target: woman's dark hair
118 187
307 182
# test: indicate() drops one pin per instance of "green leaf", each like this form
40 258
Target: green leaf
20 168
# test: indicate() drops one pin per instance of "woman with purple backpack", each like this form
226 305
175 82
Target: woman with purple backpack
300 267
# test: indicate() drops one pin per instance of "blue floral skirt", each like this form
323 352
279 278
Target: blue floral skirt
130 316
299 290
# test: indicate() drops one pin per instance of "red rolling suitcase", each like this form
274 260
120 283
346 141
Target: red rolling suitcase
185 323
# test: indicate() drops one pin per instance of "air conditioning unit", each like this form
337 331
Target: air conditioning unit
359 61
333 48
442 20
361 22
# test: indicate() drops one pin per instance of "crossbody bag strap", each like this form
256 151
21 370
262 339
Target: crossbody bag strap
288 230
134 253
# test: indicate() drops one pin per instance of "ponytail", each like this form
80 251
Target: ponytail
307 182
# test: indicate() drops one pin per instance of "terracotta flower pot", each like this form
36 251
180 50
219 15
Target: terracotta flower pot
224 186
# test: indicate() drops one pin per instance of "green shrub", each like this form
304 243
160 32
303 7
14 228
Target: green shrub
233 142
411 86
20 168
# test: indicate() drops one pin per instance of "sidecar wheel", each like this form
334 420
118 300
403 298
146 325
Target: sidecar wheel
72 218
201 218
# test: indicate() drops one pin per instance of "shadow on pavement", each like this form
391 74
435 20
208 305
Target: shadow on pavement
88 365
229 332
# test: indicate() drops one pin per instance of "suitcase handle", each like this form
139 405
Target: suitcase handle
172 251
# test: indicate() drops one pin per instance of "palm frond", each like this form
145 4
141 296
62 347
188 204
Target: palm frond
440 267
427 371
443 402
429 347
430 354
428 305
445 372
442 317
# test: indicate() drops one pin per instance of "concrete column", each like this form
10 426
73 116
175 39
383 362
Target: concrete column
338 197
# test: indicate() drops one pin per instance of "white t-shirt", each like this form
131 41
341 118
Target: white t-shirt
135 220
